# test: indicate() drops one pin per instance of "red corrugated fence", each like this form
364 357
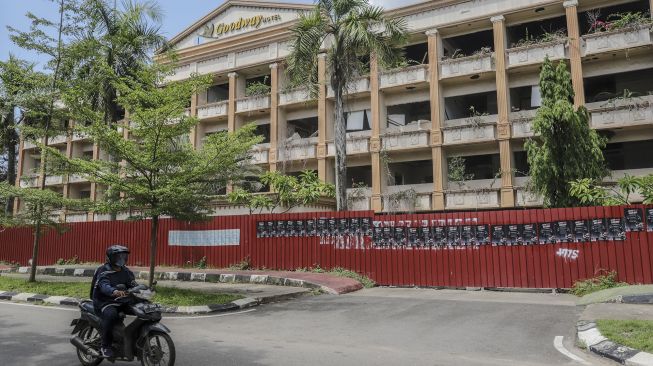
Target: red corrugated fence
533 265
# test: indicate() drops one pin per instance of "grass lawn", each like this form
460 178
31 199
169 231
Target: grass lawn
164 295
637 334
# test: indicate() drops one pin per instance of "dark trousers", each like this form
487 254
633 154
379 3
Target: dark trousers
109 320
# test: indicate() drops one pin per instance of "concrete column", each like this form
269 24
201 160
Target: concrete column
376 104
275 70
650 7
575 51
322 118
69 154
437 107
19 171
93 194
196 128
503 103
231 109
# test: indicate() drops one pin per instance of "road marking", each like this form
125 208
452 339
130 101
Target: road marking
37 306
557 343
207 316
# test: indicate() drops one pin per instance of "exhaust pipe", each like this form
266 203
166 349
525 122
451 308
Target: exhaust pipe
79 343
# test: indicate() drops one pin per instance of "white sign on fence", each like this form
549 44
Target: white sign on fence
204 238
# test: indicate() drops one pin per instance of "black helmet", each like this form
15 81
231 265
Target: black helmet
117 255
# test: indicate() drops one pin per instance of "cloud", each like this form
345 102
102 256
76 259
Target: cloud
391 4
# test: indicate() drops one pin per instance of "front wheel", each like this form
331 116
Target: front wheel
158 350
91 337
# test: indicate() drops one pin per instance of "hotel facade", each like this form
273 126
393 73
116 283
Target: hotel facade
461 107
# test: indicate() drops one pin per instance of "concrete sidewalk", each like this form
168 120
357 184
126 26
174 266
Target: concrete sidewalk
594 312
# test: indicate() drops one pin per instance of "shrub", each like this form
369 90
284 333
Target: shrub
597 283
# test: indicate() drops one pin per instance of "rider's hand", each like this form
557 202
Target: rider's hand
117 293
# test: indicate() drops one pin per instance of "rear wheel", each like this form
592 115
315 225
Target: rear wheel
158 350
91 337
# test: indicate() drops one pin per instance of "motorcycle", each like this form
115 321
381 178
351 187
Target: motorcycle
144 338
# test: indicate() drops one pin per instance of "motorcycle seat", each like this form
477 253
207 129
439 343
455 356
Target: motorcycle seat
88 307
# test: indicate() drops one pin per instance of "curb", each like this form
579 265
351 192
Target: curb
239 304
197 276
595 342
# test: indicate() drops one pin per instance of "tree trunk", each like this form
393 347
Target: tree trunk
35 252
10 143
154 230
341 148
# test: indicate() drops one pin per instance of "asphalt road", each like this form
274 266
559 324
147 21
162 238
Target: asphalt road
371 327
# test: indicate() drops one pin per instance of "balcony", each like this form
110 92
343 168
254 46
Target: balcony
213 110
29 181
522 123
29 144
76 217
619 113
601 42
74 178
469 130
358 199
472 199
469 65
253 103
528 199
80 136
408 198
298 149
294 96
535 54
360 85
260 154
53 180
357 143
404 76
413 136
58 140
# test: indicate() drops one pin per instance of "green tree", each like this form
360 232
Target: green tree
351 31
156 171
591 192
567 148
287 192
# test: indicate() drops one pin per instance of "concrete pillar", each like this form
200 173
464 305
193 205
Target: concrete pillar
93 194
69 154
231 108
19 171
376 104
275 70
575 51
650 7
322 118
503 107
437 107
193 113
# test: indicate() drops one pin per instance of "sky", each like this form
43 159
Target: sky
178 15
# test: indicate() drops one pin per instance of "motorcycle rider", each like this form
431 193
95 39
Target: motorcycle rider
105 294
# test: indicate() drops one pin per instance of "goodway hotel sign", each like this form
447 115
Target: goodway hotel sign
217 30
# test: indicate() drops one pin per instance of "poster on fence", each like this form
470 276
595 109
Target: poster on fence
439 236
290 228
581 231
482 234
467 235
634 220
413 237
616 229
547 234
649 219
598 229
425 235
513 236
261 232
366 226
563 232
528 234
453 236
400 236
311 230
499 235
